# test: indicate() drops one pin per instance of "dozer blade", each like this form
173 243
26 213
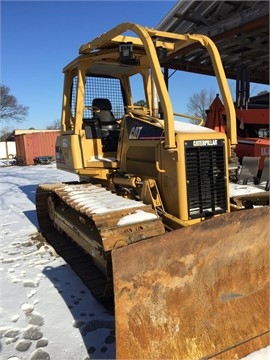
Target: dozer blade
200 292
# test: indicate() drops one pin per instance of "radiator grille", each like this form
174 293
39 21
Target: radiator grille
206 178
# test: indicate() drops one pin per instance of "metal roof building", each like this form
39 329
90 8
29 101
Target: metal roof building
240 30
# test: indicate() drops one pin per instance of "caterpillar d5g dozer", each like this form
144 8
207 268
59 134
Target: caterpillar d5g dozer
188 266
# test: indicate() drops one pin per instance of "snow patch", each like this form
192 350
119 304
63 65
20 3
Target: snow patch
138 216
27 308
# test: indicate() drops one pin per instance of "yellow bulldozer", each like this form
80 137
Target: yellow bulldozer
186 263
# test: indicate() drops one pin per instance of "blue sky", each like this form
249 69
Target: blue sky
38 38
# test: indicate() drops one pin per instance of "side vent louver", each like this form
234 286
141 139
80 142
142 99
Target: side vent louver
206 177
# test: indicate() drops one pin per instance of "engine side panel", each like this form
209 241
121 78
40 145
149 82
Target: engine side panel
192 178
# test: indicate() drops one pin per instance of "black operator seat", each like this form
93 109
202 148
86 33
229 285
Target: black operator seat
102 110
109 127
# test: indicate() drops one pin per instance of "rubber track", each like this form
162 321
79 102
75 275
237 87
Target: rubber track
73 254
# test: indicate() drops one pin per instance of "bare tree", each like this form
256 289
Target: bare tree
140 103
5 132
199 102
9 107
55 125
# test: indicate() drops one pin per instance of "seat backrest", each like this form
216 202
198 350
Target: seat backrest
104 111
249 170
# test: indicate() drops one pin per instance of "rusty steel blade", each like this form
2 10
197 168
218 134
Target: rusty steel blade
198 292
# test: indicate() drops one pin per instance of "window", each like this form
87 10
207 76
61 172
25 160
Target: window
103 87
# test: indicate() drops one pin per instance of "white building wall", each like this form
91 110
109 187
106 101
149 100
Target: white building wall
11 147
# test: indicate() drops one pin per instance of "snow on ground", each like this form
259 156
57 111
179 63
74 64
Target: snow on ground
46 311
